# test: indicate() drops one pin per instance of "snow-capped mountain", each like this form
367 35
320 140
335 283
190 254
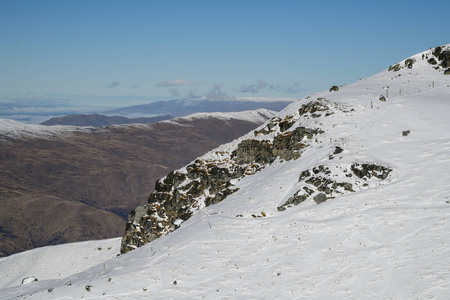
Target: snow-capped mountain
345 194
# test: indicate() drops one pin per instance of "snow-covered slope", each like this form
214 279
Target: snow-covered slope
10 129
385 236
255 116
55 262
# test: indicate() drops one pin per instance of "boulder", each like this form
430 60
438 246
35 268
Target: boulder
319 198
409 63
334 88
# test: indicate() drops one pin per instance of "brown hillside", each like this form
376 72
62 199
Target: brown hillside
82 186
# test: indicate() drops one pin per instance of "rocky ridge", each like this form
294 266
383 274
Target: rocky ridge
439 57
209 180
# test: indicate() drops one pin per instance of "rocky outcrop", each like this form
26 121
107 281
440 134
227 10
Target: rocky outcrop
441 59
438 57
320 185
208 180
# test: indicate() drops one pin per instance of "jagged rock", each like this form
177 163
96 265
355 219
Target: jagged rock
409 63
286 123
286 146
370 170
395 68
334 88
436 51
206 183
322 187
312 107
444 58
432 61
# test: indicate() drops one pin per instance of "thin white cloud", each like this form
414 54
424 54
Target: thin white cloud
113 85
262 85
253 88
295 88
217 94
176 82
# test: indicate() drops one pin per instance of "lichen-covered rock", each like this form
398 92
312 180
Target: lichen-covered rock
320 185
319 198
312 107
286 146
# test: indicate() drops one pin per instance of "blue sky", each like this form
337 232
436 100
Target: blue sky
79 56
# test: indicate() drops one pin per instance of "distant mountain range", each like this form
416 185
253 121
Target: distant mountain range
178 108
162 110
97 120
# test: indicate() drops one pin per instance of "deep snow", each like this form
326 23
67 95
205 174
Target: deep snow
388 241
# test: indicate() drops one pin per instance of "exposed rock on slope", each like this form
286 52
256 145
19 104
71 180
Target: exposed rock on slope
211 179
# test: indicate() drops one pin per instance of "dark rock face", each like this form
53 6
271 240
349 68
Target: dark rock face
409 63
206 182
285 146
441 59
382 98
432 61
365 171
334 88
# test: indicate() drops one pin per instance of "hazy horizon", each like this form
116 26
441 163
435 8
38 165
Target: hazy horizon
85 57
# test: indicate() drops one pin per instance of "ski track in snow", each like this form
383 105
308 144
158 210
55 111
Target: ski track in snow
389 241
